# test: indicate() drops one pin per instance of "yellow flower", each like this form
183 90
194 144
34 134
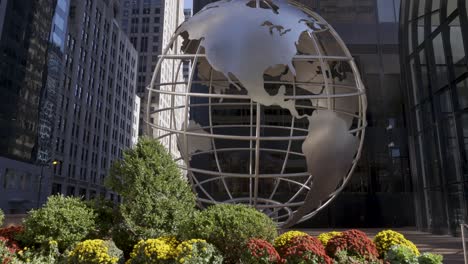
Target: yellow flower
325 237
384 240
155 250
284 239
92 251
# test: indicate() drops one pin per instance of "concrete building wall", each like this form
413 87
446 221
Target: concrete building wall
136 120
143 22
96 105
171 71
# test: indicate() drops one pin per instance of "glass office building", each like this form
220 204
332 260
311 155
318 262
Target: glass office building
434 48
23 45
31 49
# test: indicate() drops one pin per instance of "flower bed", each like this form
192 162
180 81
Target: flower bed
158 223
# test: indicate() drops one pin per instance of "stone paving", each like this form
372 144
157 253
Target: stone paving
450 247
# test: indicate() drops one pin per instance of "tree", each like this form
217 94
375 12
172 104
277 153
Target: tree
156 198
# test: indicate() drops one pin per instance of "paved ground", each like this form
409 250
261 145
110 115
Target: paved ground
450 247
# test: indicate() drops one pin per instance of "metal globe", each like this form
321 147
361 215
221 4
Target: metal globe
271 112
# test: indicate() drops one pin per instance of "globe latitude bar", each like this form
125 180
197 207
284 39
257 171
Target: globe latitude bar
326 82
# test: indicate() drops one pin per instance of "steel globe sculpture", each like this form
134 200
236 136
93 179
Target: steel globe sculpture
272 113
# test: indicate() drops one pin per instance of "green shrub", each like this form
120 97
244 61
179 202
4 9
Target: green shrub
429 258
106 215
156 198
198 251
344 257
2 217
95 251
66 220
123 238
7 253
45 254
229 226
399 254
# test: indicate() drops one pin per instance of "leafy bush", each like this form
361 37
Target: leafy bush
429 258
156 198
228 226
157 251
66 220
124 238
384 240
304 250
343 257
284 238
198 251
45 254
258 251
355 242
2 217
106 214
325 237
399 254
7 253
95 251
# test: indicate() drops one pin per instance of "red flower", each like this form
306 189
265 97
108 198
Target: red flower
11 232
260 251
304 248
355 242
11 245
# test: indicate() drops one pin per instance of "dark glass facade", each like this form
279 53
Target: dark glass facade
434 44
381 183
52 80
23 46
31 54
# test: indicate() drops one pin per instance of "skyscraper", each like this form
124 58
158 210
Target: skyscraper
434 45
150 25
96 115
30 39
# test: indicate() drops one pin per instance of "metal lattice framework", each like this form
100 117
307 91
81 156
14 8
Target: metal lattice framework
237 150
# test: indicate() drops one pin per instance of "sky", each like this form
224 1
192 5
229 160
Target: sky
188 4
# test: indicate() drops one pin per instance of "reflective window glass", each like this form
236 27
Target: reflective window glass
451 6
452 159
462 94
386 11
458 50
422 8
435 5
440 63
420 30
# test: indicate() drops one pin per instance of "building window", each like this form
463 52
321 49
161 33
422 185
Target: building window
144 44
56 188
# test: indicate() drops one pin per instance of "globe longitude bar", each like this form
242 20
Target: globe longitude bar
269 141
